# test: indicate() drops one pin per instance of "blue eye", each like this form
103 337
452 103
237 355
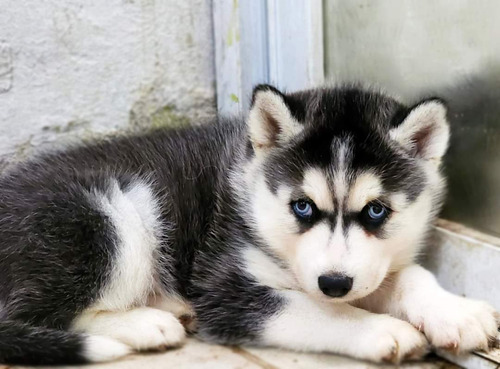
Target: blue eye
303 209
376 211
373 215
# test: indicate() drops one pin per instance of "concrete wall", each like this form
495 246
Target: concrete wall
78 69
410 47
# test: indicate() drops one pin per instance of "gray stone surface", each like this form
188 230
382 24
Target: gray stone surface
198 355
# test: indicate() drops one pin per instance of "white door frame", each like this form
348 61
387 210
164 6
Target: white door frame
265 41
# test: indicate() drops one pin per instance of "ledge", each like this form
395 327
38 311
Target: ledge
467 262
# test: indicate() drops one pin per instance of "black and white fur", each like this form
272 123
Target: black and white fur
104 249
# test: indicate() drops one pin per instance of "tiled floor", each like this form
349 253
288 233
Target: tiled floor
197 355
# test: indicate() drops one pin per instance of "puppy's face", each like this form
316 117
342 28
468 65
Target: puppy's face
344 184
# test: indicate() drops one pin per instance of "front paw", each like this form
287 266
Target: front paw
390 340
455 323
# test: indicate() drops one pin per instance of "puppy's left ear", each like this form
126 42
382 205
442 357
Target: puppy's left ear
425 131
270 121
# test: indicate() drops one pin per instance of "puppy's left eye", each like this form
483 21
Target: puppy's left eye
373 215
303 209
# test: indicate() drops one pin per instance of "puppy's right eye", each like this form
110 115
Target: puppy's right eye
373 215
303 209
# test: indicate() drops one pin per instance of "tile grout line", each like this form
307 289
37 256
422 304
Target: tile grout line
253 358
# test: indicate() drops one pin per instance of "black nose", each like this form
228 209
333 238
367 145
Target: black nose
335 285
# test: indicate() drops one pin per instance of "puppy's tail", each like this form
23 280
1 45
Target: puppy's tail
21 343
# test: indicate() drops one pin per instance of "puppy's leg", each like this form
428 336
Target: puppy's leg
141 328
449 321
305 325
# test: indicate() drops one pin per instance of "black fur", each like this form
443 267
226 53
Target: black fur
57 249
22 343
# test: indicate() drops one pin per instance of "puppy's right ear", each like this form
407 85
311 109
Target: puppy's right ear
270 121
425 132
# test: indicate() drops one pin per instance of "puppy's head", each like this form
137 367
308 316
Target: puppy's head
343 183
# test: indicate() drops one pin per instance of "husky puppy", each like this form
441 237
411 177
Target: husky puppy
296 227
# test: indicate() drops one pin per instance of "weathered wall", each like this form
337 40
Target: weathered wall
83 68
410 46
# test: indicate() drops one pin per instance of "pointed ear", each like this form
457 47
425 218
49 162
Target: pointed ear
270 121
425 130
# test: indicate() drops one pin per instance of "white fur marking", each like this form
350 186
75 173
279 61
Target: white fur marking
266 271
399 201
273 218
135 216
316 187
366 188
337 247
140 328
307 325
340 183
100 349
